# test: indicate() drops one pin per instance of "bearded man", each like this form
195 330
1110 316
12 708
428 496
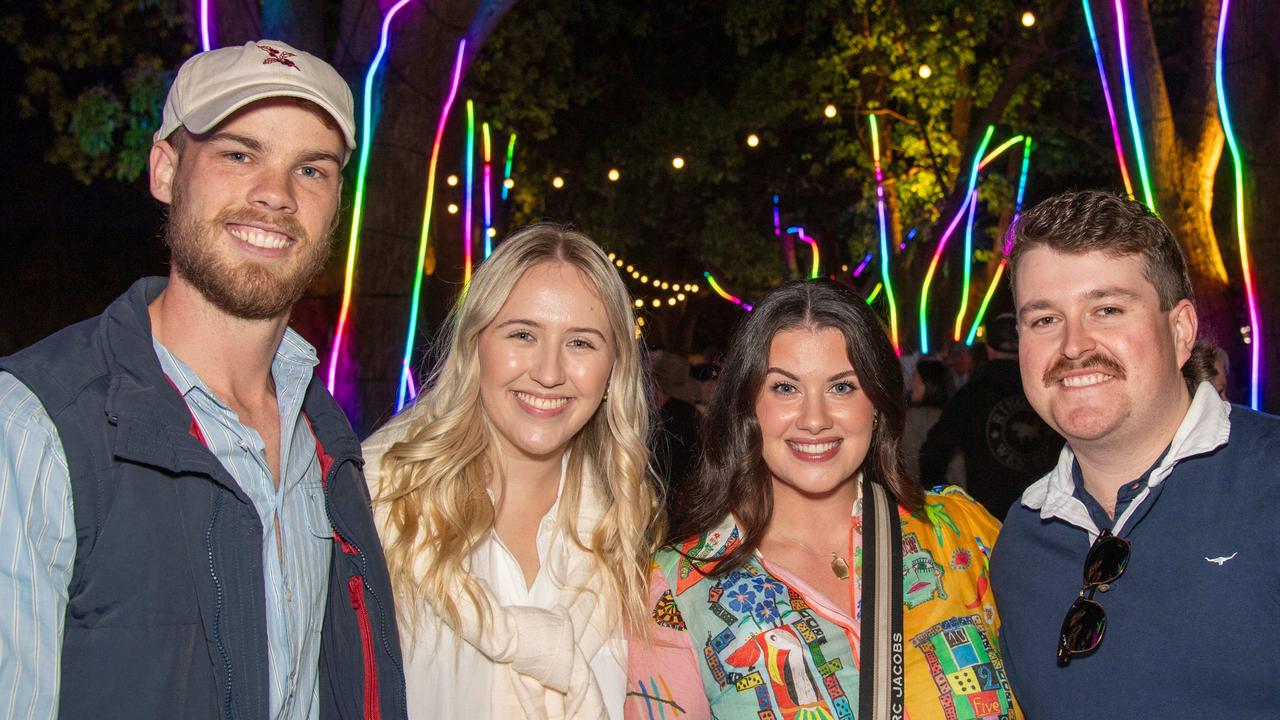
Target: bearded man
186 526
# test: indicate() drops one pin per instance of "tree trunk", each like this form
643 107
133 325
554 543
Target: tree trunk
1252 77
1186 147
414 86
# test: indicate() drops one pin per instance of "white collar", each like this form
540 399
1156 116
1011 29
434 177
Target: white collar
1204 428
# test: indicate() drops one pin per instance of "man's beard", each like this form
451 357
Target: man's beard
249 290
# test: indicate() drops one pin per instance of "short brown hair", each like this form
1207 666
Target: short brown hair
1075 223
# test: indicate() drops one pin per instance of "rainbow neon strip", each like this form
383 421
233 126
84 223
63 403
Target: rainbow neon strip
813 245
970 197
357 212
1008 244
715 286
506 172
205 45
466 194
884 235
1246 267
875 292
488 195
403 385
1106 94
968 267
1133 111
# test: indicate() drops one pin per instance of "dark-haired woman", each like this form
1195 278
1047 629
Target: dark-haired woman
807 578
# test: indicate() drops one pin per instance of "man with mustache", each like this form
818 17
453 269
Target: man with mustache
185 524
1137 579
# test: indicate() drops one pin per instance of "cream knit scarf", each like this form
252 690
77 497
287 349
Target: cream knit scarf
541 656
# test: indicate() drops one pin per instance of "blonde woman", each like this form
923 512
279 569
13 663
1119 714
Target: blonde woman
512 497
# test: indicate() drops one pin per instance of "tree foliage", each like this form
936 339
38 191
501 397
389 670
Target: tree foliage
98 70
606 83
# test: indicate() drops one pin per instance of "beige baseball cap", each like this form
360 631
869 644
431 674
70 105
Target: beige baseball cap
213 84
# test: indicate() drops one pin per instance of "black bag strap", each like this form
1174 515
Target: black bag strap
881 691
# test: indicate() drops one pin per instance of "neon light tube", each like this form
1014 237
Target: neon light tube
999 151
1133 111
488 196
1007 246
862 265
874 293
884 235
813 245
971 197
205 45
1246 267
1106 95
506 173
777 218
357 212
968 266
715 286
403 384
466 194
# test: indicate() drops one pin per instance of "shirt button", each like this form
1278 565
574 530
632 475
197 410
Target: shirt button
1104 587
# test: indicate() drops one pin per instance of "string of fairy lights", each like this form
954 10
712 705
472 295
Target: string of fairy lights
663 292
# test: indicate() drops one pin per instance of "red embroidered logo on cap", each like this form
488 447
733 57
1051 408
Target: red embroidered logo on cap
279 56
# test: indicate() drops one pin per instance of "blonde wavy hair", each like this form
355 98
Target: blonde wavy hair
433 482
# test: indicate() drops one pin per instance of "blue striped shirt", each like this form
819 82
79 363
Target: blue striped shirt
37 534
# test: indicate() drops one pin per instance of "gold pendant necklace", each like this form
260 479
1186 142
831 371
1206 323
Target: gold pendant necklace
839 567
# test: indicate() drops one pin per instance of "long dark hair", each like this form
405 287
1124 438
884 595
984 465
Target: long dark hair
733 476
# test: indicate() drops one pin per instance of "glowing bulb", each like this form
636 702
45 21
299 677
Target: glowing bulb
677 162
753 140
693 288
618 263
680 297
557 182
491 232
508 183
452 180
844 268
657 302
639 303
925 71
612 256
665 286
640 321
829 110
644 278
453 208
631 268
671 301
657 282
636 274
614 175
1028 19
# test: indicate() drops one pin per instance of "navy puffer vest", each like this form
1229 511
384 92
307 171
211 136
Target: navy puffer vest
167 611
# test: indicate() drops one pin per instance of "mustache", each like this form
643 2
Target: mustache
1092 361
250 216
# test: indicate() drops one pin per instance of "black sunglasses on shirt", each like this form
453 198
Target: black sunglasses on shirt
1086 620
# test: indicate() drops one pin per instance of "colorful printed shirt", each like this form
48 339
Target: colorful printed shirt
758 642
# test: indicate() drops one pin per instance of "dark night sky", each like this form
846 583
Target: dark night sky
68 249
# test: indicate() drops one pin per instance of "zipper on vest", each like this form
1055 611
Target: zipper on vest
371 710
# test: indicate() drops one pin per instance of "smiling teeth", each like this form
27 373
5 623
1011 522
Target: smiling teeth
1085 380
813 448
542 403
268 240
